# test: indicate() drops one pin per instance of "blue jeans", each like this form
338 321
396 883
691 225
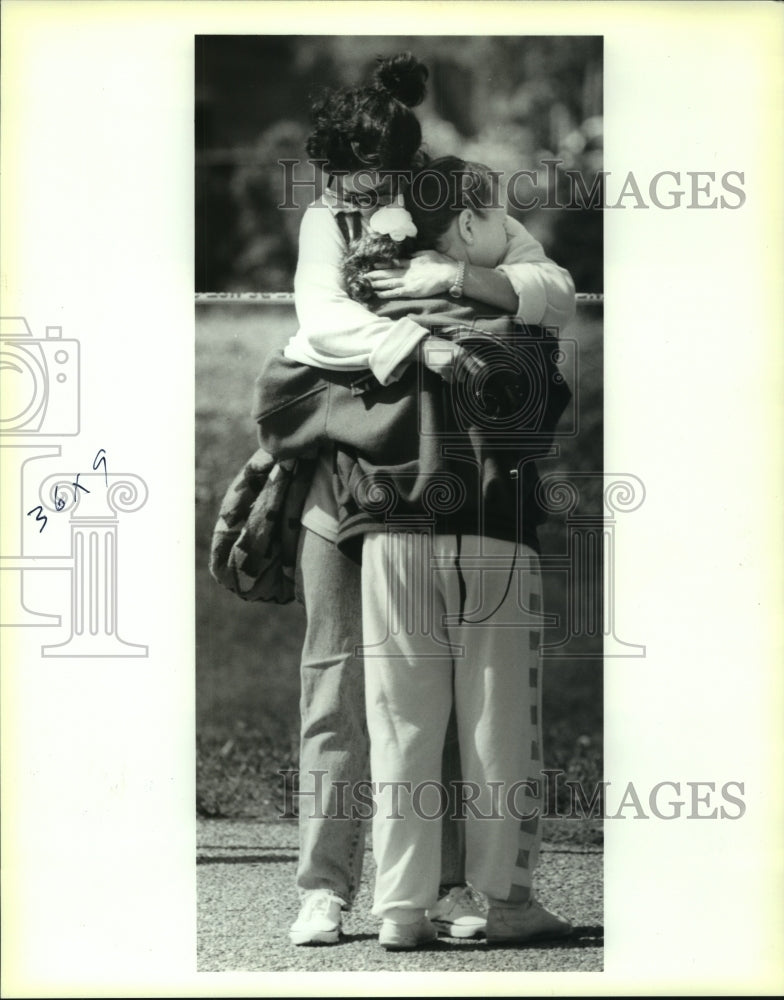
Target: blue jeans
333 740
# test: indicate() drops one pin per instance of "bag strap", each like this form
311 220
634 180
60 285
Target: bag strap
356 225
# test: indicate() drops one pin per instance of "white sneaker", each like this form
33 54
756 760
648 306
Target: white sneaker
521 924
459 914
319 919
395 936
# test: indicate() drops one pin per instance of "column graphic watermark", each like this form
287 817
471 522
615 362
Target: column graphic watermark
41 403
588 564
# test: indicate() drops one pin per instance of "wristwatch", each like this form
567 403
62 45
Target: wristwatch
456 290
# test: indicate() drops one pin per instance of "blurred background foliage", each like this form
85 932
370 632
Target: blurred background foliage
510 102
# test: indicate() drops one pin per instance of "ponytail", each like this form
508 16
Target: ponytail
372 127
404 77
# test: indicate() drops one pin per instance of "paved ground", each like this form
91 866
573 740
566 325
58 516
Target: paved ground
247 901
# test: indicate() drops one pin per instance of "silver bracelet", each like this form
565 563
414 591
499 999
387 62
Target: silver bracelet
456 290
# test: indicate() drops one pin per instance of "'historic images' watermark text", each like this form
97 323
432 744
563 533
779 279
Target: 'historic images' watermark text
553 186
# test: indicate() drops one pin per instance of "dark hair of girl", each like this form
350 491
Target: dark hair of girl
445 188
371 251
372 126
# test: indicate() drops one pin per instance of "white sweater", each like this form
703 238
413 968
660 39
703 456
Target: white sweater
335 332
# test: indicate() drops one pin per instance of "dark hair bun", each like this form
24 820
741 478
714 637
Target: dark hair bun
404 77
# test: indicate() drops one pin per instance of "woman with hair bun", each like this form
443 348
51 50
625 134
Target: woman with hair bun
367 139
357 132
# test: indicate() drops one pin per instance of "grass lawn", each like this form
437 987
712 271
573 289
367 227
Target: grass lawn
247 655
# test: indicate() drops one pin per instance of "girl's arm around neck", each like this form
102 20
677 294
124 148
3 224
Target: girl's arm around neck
430 273
545 291
526 283
486 284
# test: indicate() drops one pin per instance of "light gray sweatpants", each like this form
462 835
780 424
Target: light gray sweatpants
452 617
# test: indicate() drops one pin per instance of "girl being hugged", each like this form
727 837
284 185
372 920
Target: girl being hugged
472 644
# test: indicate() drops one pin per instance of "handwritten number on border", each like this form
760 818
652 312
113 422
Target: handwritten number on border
78 486
101 461
40 516
59 501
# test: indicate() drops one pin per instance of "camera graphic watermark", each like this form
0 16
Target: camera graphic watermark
507 383
40 403
40 381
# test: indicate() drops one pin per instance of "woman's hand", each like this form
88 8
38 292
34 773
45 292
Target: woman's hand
427 273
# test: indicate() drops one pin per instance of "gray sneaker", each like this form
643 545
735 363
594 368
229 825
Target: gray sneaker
395 936
319 919
459 914
521 924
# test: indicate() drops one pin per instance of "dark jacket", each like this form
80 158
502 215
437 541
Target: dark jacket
422 454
